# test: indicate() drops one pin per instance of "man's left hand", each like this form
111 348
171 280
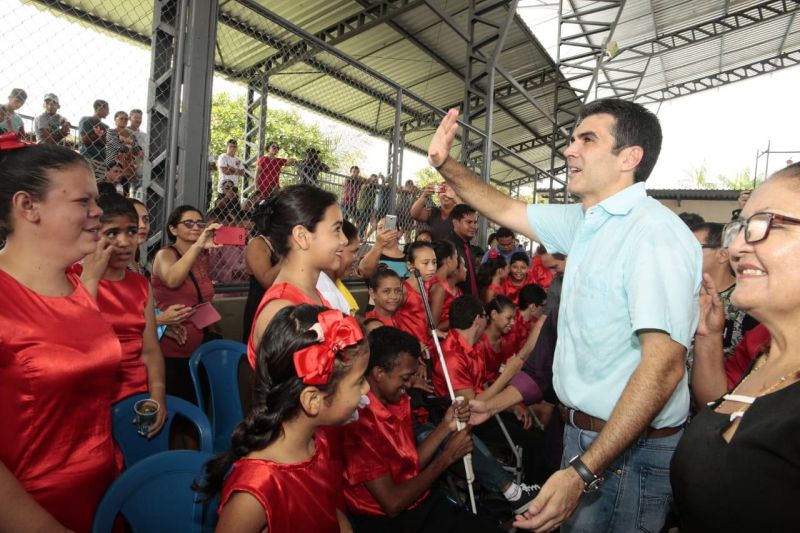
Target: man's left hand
555 503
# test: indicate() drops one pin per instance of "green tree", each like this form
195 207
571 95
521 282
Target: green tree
700 179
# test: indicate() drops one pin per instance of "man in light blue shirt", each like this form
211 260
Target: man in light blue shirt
628 312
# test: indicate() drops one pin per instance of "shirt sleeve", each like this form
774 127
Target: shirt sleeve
555 225
460 376
663 281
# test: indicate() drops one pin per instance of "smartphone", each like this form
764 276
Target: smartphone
230 236
160 330
440 188
390 222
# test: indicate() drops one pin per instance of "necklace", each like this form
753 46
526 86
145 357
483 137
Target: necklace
748 400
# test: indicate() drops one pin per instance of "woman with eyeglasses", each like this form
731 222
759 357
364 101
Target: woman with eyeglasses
181 276
737 466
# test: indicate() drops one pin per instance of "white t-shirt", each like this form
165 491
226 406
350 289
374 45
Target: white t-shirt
329 291
225 160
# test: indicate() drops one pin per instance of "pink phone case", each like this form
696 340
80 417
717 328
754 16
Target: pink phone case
204 315
231 236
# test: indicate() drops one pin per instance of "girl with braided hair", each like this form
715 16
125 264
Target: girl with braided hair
280 475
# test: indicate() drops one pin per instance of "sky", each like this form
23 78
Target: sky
721 128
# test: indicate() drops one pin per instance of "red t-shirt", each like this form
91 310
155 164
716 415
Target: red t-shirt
539 274
295 497
492 359
466 369
411 317
380 443
387 321
268 174
279 291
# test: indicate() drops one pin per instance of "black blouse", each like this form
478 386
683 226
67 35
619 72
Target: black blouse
750 484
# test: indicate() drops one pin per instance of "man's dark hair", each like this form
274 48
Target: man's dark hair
531 294
691 219
464 310
714 230
504 233
386 344
634 125
460 211
99 103
136 111
349 230
520 256
232 141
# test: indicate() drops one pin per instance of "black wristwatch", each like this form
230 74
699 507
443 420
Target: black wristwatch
591 482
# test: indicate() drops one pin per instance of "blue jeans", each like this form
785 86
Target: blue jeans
488 470
636 494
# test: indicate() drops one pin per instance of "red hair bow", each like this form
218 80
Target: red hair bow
493 254
336 331
10 141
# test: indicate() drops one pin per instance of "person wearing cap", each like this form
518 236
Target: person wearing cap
51 128
92 131
13 122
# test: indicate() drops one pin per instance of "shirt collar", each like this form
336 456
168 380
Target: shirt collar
383 411
461 341
625 200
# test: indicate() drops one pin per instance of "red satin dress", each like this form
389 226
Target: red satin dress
492 359
449 296
380 443
511 290
122 304
296 497
387 321
464 366
279 291
515 339
411 317
496 289
58 364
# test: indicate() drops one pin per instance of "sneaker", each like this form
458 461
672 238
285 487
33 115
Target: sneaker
529 492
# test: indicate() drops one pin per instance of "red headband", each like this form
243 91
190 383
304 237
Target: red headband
493 254
336 331
10 141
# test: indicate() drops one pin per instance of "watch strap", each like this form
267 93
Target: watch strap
583 471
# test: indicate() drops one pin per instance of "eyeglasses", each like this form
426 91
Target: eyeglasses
192 223
756 228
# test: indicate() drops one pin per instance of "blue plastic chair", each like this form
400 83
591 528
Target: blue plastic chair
155 494
136 447
220 359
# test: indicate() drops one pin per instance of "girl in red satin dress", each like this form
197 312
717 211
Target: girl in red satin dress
441 292
304 226
309 374
126 302
490 346
58 357
527 322
386 291
411 317
491 276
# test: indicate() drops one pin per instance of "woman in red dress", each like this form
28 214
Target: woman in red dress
411 317
491 276
181 276
304 226
280 473
58 357
126 303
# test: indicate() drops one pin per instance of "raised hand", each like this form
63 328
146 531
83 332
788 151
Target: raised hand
206 239
712 312
442 141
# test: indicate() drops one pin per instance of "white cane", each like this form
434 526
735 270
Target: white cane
460 425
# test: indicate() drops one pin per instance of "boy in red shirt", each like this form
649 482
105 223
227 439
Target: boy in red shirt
386 476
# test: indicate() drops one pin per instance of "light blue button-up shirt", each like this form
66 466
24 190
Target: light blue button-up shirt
632 265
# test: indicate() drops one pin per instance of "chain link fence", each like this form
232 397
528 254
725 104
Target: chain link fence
99 77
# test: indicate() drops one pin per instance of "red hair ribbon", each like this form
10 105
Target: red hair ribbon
336 331
493 254
10 141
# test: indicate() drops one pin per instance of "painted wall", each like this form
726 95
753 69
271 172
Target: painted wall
710 210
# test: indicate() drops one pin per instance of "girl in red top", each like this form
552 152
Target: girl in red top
527 322
304 225
126 302
59 358
491 275
490 347
441 292
517 275
279 475
411 316
386 291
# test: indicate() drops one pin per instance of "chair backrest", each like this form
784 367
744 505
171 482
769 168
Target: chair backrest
155 494
135 447
220 359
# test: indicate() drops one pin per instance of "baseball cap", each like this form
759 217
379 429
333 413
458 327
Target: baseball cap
52 97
